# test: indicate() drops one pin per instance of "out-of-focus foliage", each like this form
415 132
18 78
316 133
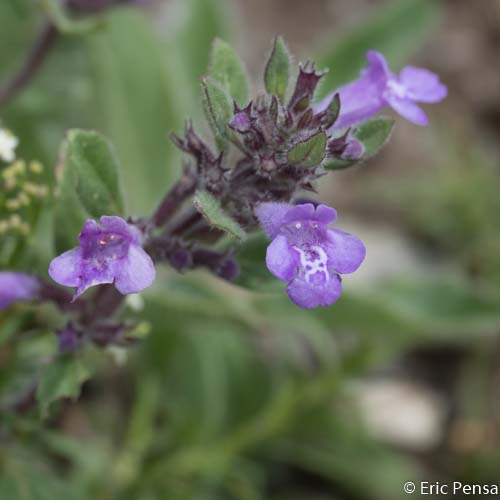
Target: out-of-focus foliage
395 31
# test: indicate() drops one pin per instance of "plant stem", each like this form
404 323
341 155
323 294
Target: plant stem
172 201
32 63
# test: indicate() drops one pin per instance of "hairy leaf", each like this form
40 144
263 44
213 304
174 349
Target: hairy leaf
227 69
89 186
213 212
310 152
277 70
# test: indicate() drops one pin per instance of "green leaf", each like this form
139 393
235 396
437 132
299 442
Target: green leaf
20 7
213 212
227 69
89 185
310 152
373 134
192 31
277 70
334 107
397 31
25 476
61 379
218 109
134 82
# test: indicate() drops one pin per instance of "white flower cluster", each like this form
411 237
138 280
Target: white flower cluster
8 144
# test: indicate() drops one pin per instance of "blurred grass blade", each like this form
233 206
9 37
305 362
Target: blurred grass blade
193 30
136 103
397 31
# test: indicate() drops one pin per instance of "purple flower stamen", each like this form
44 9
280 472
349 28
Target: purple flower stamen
306 253
109 252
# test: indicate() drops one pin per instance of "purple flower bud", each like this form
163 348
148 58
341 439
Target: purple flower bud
69 339
306 253
229 269
354 149
378 87
109 252
181 259
15 287
241 122
307 81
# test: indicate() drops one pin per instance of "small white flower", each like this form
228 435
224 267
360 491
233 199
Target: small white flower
8 144
135 302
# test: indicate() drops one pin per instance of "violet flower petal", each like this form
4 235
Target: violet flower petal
109 252
325 214
281 259
271 216
362 98
301 212
117 225
378 86
409 110
136 273
346 252
15 287
422 85
309 295
90 276
66 268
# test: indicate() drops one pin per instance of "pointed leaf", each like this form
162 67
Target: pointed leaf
227 69
218 109
211 209
310 152
373 134
277 70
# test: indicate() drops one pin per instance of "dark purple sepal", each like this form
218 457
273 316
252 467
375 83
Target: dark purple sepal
307 82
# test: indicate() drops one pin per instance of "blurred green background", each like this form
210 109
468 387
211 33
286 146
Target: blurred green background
235 393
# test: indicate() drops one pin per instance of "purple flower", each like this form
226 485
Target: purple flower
306 253
15 287
109 252
378 87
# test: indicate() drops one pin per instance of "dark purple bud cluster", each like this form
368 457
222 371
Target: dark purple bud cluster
282 145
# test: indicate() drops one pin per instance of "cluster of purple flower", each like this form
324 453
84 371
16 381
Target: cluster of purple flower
304 252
